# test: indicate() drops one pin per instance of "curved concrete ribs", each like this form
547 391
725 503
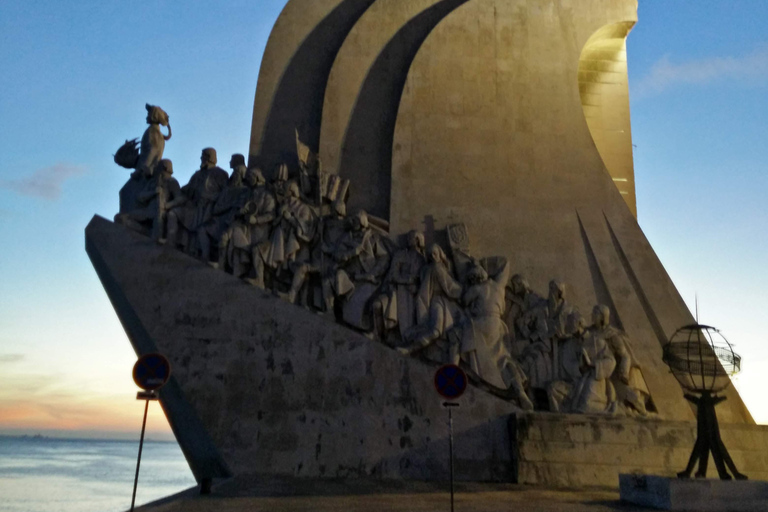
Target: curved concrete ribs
366 153
297 102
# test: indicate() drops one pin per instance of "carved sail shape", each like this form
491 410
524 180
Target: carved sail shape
378 27
366 153
604 90
297 81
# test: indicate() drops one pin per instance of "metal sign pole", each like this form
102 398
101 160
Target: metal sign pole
141 447
450 406
151 372
450 383
450 443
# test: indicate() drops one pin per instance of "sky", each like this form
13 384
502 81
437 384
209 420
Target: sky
76 76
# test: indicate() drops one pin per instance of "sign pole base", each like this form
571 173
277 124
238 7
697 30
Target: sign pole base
147 396
141 447
450 406
450 442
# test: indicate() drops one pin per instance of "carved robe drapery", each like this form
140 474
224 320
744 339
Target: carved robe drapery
483 335
399 301
202 191
251 230
292 234
594 392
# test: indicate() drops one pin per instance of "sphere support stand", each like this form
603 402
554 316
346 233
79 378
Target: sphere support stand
708 440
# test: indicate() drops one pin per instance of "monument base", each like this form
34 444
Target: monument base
693 495
576 451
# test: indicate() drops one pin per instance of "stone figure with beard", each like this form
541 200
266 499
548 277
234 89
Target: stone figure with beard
201 192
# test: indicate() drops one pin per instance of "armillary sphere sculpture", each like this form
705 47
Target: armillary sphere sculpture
703 361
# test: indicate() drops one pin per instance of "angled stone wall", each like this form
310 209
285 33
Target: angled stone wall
263 386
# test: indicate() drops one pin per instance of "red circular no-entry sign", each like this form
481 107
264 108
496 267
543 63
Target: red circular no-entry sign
151 371
450 381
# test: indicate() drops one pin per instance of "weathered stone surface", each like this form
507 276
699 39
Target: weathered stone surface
694 495
580 450
493 114
502 123
263 386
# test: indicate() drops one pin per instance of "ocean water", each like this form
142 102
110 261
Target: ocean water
61 475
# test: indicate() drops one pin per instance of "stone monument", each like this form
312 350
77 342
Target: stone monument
418 171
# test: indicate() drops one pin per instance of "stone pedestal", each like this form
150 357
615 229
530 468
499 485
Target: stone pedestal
694 495
577 451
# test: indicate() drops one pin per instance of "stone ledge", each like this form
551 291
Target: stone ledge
573 451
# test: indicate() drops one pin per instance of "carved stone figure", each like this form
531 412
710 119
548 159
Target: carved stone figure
583 378
229 203
545 326
595 393
149 155
201 192
243 247
330 231
627 378
280 184
484 334
558 310
294 228
363 256
396 306
570 363
437 309
160 194
536 358
153 141
261 211
520 299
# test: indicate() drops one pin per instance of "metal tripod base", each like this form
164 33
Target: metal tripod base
708 440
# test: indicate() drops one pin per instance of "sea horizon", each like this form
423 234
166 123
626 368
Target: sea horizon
41 473
90 435
104 439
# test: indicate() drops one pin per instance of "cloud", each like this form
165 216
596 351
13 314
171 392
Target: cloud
666 74
45 183
11 358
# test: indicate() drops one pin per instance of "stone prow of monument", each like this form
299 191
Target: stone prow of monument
259 385
510 116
